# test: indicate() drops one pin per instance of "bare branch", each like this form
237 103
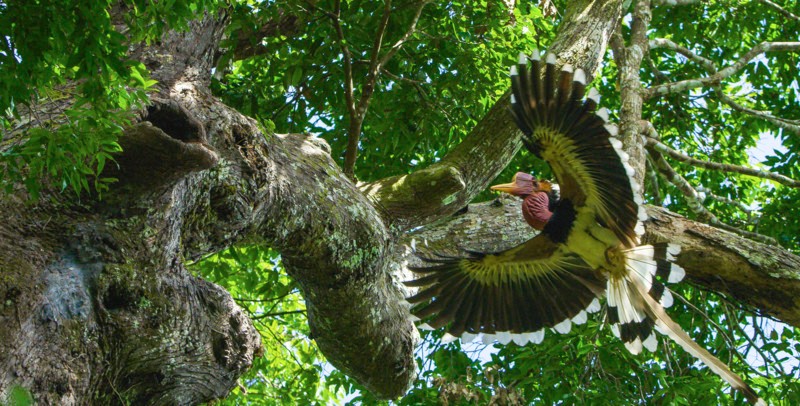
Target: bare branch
684 85
348 64
641 20
789 125
360 111
666 43
781 10
655 145
376 62
629 62
694 200
652 175
675 2
692 197
710 195
411 28
617 43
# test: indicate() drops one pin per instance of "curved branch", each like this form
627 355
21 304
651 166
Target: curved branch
707 192
684 85
694 200
781 10
669 44
655 145
791 125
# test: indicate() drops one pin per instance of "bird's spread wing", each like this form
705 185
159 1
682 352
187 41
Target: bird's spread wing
521 290
575 139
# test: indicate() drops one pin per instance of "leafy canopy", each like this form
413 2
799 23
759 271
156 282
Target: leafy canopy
430 96
71 56
68 87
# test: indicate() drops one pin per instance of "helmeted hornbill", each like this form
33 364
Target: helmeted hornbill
588 245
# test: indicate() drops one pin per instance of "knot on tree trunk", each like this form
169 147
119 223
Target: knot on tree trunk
167 145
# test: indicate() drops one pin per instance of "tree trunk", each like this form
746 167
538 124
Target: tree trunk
96 303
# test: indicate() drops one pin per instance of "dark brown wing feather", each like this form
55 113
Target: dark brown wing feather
524 289
577 143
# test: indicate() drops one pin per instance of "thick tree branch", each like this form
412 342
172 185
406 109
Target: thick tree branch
655 145
766 277
105 310
684 85
629 59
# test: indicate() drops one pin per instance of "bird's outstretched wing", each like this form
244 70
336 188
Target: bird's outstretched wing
575 139
513 294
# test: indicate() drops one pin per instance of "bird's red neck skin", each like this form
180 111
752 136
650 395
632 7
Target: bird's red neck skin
535 210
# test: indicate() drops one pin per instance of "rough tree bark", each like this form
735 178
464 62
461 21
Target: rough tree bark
96 303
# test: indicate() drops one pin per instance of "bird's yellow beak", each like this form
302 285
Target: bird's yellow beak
506 187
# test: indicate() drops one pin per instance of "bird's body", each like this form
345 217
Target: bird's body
588 246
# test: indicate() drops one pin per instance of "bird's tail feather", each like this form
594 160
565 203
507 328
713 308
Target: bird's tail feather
676 333
651 266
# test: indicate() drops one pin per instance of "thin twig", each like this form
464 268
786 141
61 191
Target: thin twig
675 2
707 192
411 28
276 314
781 10
348 64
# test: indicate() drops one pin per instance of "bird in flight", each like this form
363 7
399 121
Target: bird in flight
589 241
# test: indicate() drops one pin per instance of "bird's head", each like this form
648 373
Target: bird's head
524 184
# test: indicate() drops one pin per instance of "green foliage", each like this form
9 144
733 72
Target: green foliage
17 396
292 369
700 125
68 86
431 94
69 58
